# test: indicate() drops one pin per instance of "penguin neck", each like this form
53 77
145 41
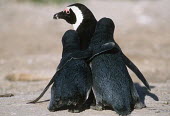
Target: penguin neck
100 38
76 25
85 31
84 24
79 16
70 49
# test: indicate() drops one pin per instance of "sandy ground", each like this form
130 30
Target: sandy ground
17 105
30 43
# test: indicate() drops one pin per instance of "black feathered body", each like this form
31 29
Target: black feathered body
73 79
85 32
71 86
111 82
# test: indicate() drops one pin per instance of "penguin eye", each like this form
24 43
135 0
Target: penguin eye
67 11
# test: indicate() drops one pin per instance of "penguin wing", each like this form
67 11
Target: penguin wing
76 55
132 66
85 54
104 48
63 62
46 88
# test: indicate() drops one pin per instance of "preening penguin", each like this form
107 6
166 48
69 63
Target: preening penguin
112 84
84 23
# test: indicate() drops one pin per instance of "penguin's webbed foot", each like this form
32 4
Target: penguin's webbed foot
76 109
124 115
52 109
139 105
97 107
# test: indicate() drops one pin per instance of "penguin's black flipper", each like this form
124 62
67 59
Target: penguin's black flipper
46 88
132 66
104 48
64 61
77 55
85 54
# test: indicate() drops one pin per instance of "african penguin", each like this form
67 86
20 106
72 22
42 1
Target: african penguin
72 81
112 84
84 23
82 20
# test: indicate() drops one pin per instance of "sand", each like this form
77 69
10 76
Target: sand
30 45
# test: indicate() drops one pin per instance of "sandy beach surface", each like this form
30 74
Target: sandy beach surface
30 50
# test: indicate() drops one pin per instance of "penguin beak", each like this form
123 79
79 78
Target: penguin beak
59 15
55 16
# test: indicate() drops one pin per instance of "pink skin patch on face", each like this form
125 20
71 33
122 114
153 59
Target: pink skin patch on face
67 11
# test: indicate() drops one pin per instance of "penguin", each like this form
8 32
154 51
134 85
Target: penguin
72 81
84 22
112 84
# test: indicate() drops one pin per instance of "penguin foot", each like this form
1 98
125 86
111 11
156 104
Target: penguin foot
139 105
124 115
51 109
74 110
97 107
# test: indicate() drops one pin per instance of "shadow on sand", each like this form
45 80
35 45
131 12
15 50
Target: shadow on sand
143 91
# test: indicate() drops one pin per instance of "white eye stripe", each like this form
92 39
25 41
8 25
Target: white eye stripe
79 16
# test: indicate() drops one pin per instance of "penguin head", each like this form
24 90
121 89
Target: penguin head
70 41
75 14
105 25
103 32
67 14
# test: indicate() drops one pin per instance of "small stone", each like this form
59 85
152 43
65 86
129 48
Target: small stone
157 112
7 95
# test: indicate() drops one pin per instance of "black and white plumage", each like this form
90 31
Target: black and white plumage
82 19
112 84
73 14
84 23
